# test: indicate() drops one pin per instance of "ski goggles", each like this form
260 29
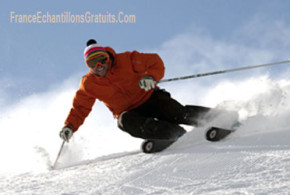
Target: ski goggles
99 59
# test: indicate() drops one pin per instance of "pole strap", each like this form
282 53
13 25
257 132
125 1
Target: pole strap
224 71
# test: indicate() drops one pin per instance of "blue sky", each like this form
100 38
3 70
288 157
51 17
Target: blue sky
35 57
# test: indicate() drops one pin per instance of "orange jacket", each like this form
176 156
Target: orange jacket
119 89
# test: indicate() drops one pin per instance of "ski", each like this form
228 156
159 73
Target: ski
155 145
158 145
214 134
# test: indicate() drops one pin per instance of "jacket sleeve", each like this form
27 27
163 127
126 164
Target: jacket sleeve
148 64
82 106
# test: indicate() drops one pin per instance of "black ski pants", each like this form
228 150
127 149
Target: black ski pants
159 117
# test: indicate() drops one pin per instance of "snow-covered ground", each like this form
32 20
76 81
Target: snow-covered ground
253 160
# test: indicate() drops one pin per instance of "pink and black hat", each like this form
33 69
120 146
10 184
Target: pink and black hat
93 49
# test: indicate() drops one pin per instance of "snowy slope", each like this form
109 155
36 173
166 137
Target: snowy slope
253 164
253 160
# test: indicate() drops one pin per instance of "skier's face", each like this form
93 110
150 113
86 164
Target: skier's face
99 64
101 70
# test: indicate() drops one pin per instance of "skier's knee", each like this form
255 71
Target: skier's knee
148 128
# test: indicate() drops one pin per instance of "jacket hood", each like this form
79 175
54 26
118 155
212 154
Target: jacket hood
112 54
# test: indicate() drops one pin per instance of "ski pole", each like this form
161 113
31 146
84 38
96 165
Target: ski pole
224 71
58 155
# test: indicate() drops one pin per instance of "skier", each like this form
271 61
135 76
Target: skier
127 84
